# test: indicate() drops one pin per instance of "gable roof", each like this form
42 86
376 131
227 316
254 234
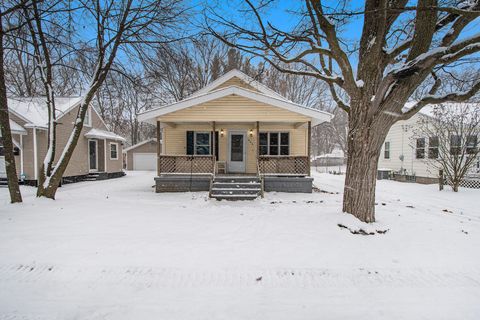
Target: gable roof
317 116
140 144
33 110
243 77
430 109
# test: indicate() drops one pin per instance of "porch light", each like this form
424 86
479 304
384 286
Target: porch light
222 132
251 132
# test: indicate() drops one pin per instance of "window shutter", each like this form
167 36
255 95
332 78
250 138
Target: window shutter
190 143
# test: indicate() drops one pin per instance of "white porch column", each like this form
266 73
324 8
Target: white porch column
105 154
21 154
35 160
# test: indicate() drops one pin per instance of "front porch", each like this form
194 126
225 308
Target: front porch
276 155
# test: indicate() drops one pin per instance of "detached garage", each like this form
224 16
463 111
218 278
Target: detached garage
142 156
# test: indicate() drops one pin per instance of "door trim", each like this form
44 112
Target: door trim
96 155
229 150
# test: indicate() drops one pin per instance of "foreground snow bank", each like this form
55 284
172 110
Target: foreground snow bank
116 250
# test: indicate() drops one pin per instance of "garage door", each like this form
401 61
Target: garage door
145 161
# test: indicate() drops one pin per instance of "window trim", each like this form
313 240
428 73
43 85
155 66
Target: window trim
110 150
385 150
455 150
89 114
195 142
279 143
430 148
417 148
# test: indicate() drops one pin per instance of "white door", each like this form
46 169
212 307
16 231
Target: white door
236 151
3 171
145 161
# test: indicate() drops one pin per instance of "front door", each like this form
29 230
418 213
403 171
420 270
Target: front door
93 155
237 154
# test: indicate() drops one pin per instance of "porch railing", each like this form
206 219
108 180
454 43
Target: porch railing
197 164
283 165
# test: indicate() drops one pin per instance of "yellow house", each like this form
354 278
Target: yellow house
236 138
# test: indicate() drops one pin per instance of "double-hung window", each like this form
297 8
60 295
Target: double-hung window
472 144
433 147
386 151
113 151
420 148
274 143
202 143
455 145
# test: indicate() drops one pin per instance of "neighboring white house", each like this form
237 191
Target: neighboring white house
403 154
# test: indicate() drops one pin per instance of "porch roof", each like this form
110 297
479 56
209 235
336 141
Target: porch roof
102 134
317 116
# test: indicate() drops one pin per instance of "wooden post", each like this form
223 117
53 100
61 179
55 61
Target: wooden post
159 149
214 150
309 140
258 146
440 179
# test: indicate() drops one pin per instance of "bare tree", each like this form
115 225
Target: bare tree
448 138
6 9
119 25
401 46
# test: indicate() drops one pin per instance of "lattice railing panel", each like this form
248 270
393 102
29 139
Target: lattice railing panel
294 165
467 183
186 164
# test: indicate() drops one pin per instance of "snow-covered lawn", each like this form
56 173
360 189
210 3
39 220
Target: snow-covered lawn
116 250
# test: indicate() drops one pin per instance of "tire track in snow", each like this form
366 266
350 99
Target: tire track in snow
139 276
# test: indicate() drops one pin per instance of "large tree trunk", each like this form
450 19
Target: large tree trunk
15 195
364 146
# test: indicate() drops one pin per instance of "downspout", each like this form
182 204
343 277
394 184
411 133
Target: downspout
35 164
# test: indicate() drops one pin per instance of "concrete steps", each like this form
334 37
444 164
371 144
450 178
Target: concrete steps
236 188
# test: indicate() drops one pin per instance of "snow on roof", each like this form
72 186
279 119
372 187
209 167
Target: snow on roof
242 76
140 144
16 128
429 110
336 153
34 111
102 134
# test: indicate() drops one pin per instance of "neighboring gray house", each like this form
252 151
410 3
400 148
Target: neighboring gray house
98 152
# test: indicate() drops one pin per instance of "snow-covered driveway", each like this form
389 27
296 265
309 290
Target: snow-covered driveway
116 250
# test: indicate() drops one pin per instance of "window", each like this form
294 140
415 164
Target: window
202 143
420 151
88 118
274 143
113 151
455 145
471 144
386 152
433 148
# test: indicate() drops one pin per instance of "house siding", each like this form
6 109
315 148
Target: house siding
235 81
233 108
78 164
402 142
175 139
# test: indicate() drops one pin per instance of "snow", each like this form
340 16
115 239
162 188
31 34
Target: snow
34 109
114 249
16 128
102 134
360 83
429 110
